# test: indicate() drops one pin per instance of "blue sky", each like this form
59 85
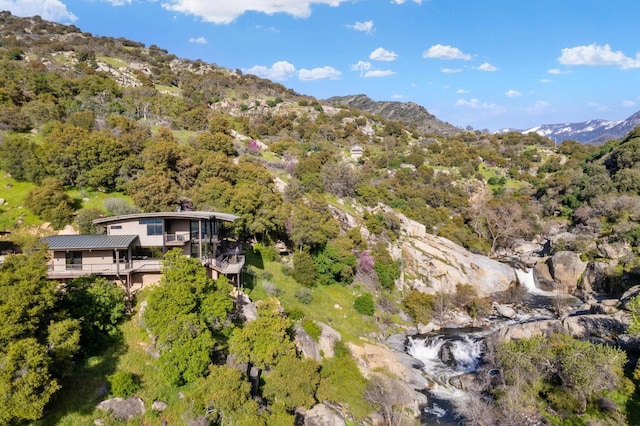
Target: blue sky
490 64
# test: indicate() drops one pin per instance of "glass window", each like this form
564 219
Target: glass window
73 259
154 226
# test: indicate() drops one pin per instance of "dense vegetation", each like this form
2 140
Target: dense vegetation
142 130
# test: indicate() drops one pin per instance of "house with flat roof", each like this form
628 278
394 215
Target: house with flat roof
133 245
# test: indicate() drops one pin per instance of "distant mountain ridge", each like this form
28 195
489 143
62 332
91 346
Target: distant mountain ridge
408 113
590 132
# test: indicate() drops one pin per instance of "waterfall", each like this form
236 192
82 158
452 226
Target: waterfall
527 280
444 357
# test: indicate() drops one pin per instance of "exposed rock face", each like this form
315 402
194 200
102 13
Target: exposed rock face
322 415
372 358
528 330
614 250
328 339
306 344
247 309
123 409
444 264
598 326
560 272
593 277
602 327
628 295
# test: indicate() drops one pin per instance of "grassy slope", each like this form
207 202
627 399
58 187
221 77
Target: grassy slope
75 404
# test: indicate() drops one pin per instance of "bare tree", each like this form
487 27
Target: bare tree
388 396
504 221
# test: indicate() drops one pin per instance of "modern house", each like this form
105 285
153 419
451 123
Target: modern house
133 245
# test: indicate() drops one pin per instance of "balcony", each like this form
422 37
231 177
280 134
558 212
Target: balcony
103 269
228 263
177 239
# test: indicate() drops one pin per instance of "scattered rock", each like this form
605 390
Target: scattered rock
247 309
159 406
614 250
505 311
123 409
628 295
322 415
143 307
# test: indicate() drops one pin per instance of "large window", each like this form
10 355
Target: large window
154 226
73 259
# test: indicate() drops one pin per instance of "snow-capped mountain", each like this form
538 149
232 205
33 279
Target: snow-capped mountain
592 131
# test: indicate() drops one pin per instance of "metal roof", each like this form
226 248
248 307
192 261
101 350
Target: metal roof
227 217
89 242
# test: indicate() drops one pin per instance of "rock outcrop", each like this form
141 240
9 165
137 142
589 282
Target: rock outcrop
123 409
306 344
440 264
327 340
566 267
374 358
600 327
322 415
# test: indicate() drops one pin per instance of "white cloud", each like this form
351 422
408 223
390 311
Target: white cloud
383 55
595 55
628 104
539 107
119 2
361 66
404 1
476 104
462 91
225 12
558 71
486 66
51 10
378 73
198 40
513 93
365 27
546 80
322 73
397 96
281 70
439 51
450 70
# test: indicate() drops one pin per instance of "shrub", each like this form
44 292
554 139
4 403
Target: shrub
271 289
312 328
364 304
304 269
304 295
295 314
419 306
124 384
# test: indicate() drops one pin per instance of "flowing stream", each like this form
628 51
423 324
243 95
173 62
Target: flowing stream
451 353
446 355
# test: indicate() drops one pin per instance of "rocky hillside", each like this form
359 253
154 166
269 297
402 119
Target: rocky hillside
410 114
